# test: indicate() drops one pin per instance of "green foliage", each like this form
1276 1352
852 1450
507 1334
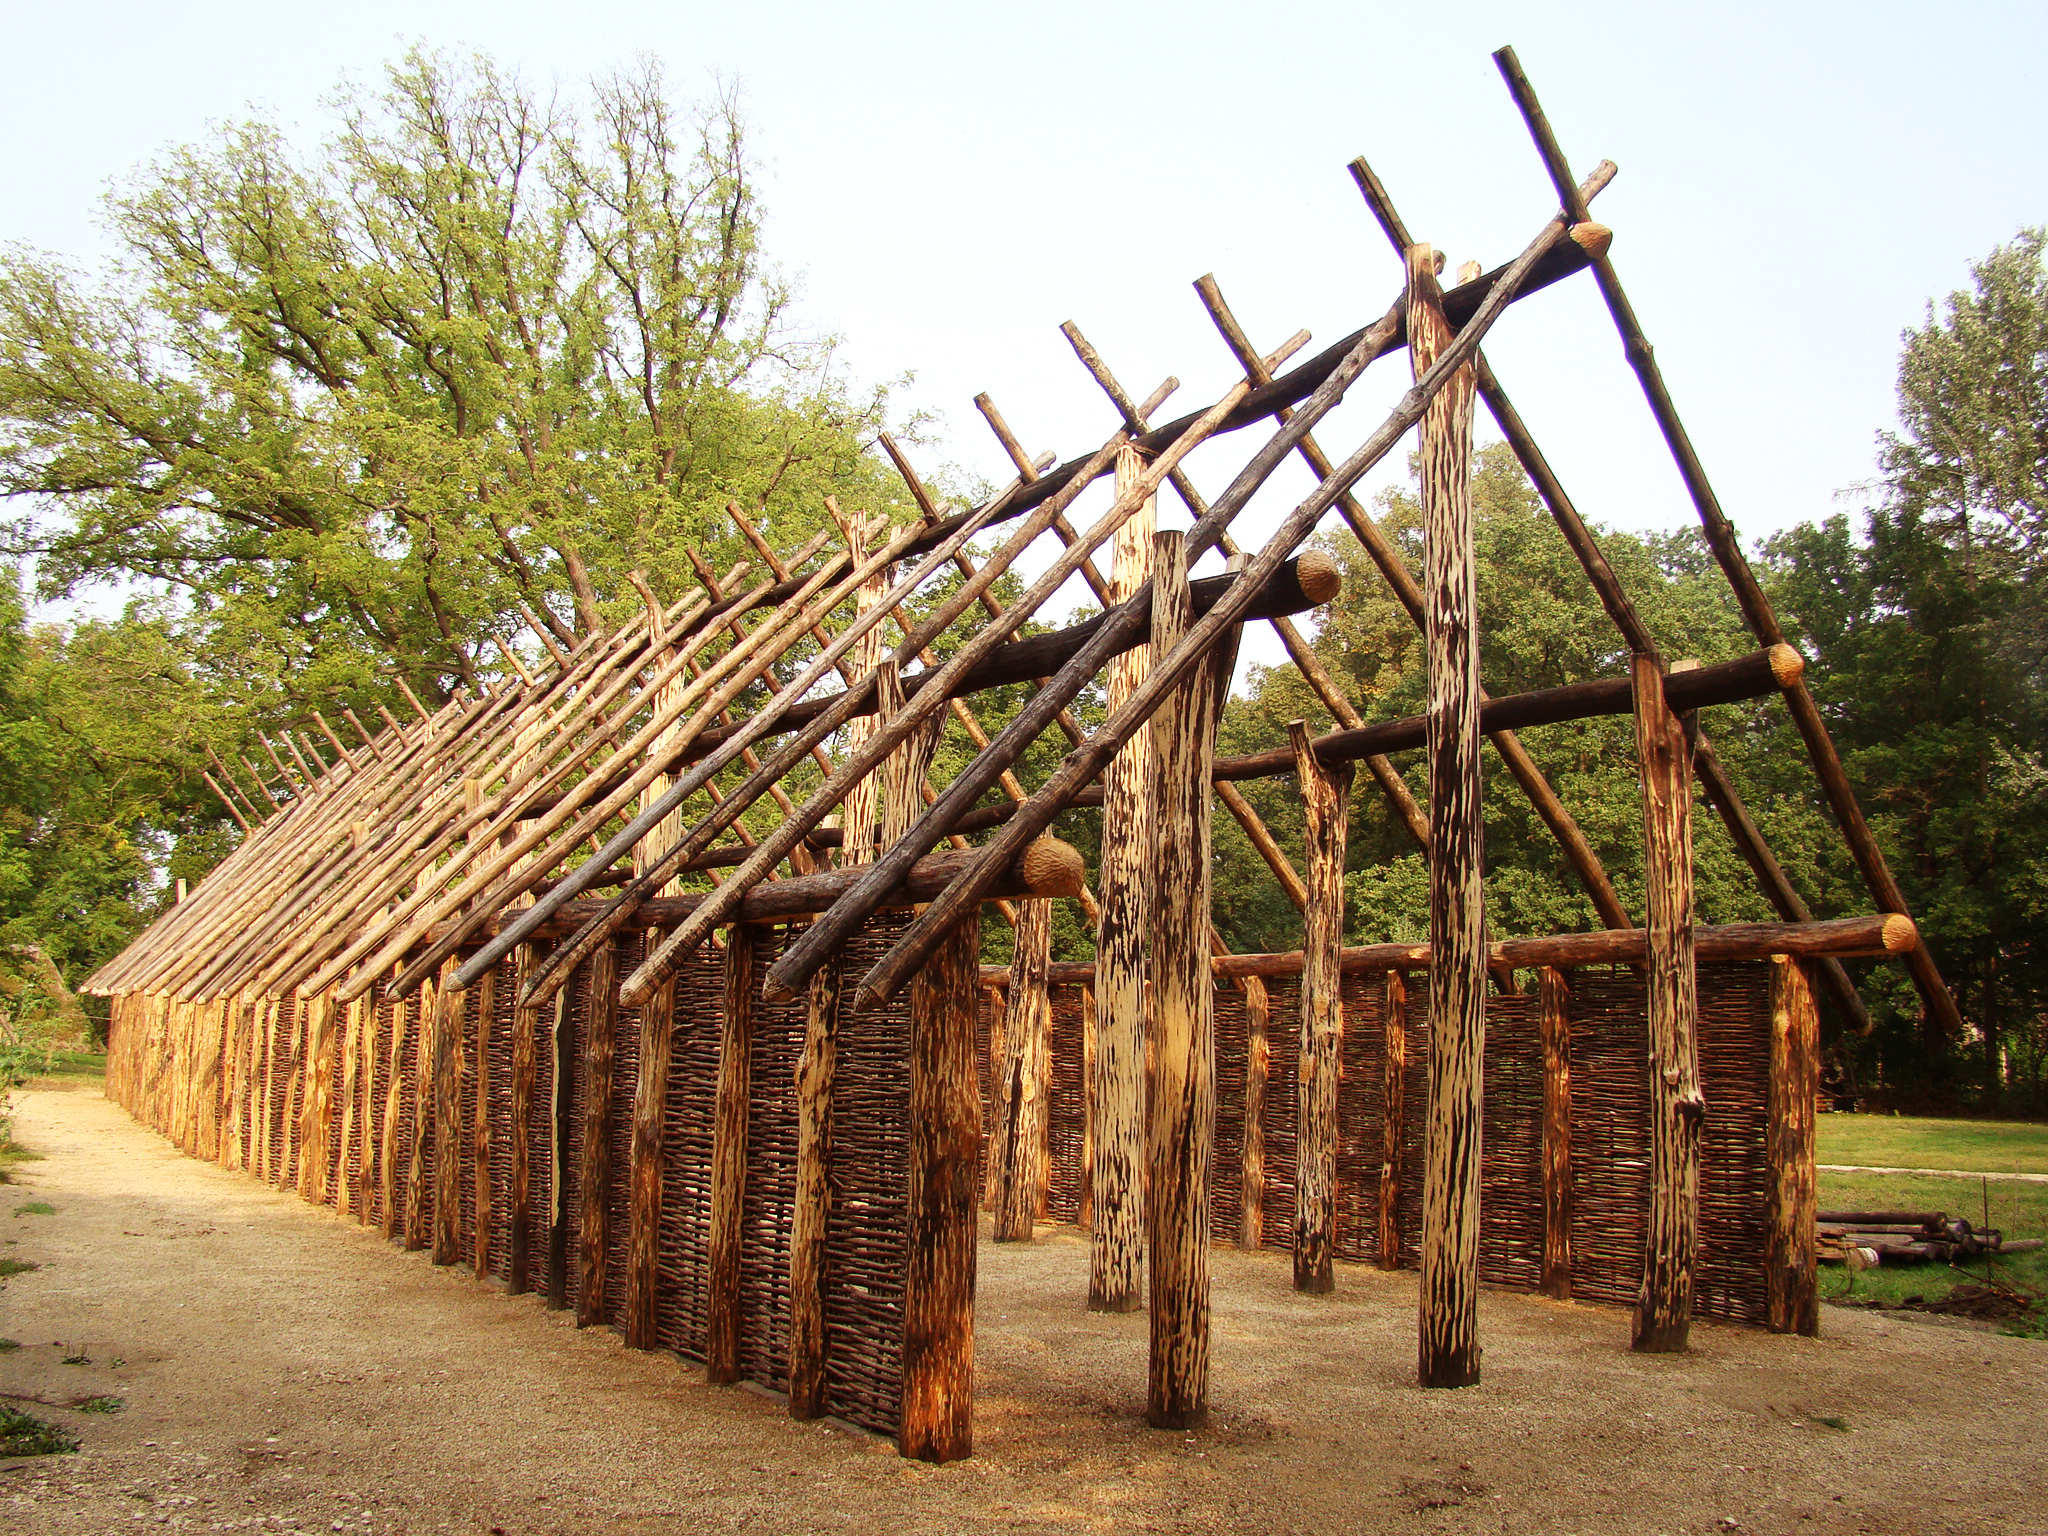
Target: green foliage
23 1434
36 1208
105 1405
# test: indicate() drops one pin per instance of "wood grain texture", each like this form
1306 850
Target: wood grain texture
561 1115
479 1067
1791 1274
1117 1244
650 1099
1021 1094
1448 1350
450 1013
525 1076
807 1247
1677 1108
316 1112
937 1421
419 1195
1326 804
594 1176
351 1088
1181 1123
1251 1210
1555 1028
729 1162
1393 1117
390 1192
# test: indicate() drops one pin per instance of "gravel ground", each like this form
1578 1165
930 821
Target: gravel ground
286 1370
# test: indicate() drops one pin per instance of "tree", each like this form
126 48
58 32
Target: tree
356 406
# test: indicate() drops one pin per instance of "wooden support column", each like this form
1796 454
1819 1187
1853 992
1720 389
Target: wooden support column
525 1076
1020 1096
1790 1273
594 1177
650 1098
1085 1216
561 1115
814 1072
351 1089
1182 1119
729 1162
1448 1355
266 1164
1258 1061
418 1191
479 1067
389 1204
1117 1247
1677 1108
1556 1027
316 1108
1326 800
450 1012
1393 1117
937 1422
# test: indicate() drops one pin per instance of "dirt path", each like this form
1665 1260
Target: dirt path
285 1370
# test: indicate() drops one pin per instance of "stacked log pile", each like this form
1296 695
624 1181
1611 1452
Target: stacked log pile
1866 1239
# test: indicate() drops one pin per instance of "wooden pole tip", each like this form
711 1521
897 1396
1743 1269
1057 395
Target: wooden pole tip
1050 867
1787 665
1900 933
1319 576
1592 238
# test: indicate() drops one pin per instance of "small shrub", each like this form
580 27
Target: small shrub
9 1346
23 1434
101 1405
16 1267
36 1208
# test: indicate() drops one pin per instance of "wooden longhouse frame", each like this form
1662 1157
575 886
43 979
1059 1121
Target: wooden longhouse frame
448 984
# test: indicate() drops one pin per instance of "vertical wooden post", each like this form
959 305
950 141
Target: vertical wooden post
814 1071
1556 1026
1182 1120
418 1200
450 1011
1393 1117
1790 1274
388 1205
729 1162
937 1422
1116 1261
1326 800
1448 1355
594 1181
561 1115
1677 1108
1258 1066
316 1108
1085 1216
525 1075
650 1099
351 1087
479 1067
266 1164
1019 1097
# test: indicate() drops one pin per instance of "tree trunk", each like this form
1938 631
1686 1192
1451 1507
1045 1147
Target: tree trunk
1556 1028
1326 802
594 1183
729 1162
1393 1118
1790 1274
807 1278
1021 1095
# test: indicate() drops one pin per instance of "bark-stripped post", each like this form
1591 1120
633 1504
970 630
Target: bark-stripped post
1326 800
1449 1348
1677 1108
450 1013
388 1207
1116 1262
650 1097
1020 1097
1258 1061
316 1109
266 1164
1084 1218
729 1162
479 1066
863 801
1790 1276
1393 1116
418 1191
1182 1121
561 1114
594 1178
525 1074
814 1070
937 1422
351 1087
1556 1026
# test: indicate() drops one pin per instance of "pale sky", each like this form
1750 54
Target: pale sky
949 183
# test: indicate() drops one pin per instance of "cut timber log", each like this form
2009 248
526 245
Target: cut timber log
526 1029
1393 1119
450 1010
650 1100
937 1422
1677 1107
807 1255
1792 1286
1326 802
729 1163
1555 1002
594 1177
1448 1348
1258 1059
1020 1099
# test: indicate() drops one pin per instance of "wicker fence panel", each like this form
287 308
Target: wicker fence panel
1066 1110
688 1115
770 1201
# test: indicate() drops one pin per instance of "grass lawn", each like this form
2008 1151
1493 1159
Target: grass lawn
2018 1209
1909 1141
